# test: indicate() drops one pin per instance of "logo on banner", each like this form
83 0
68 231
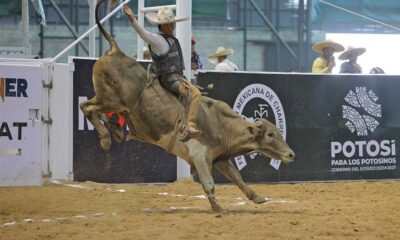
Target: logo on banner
13 87
361 100
362 112
255 102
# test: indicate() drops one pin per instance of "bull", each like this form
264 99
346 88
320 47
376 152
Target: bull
154 115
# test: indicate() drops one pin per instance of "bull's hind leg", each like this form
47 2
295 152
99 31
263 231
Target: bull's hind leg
225 166
93 110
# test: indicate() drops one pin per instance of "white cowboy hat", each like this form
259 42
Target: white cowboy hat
319 46
351 51
163 16
221 51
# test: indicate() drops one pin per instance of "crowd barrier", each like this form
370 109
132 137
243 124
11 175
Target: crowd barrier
127 162
340 126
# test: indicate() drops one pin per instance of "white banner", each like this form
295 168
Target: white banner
20 125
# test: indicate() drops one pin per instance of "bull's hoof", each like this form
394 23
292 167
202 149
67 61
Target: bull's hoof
259 200
116 131
105 143
118 135
218 209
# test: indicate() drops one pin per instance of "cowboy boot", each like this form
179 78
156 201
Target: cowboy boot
193 107
192 95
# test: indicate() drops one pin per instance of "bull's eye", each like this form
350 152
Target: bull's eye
270 135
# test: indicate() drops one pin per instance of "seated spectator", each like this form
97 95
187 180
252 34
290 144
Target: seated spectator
196 61
146 53
377 70
326 62
220 59
351 54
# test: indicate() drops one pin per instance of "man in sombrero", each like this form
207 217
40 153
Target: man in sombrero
168 63
351 54
326 62
221 61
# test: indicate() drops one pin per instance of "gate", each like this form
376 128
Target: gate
20 124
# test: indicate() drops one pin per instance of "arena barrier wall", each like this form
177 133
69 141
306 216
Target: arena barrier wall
340 126
21 135
126 162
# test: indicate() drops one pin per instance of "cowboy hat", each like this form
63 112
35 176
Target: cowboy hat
163 16
319 46
221 51
351 51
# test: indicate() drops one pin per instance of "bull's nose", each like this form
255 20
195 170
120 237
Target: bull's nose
291 155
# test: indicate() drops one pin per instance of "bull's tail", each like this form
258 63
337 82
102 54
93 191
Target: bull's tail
111 41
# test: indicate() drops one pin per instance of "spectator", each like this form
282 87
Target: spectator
146 53
326 62
377 70
351 54
196 61
220 58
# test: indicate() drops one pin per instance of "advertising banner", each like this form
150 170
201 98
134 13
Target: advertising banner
126 162
340 126
20 125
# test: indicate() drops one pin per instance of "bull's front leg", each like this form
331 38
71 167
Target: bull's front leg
92 110
207 181
225 166
113 127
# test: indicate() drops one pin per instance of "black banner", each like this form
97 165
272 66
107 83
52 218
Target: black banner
127 162
340 126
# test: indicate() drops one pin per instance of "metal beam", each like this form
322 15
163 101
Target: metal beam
300 36
54 59
92 35
25 27
262 15
309 34
245 35
68 24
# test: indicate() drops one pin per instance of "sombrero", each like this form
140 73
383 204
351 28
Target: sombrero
351 51
327 43
221 51
163 16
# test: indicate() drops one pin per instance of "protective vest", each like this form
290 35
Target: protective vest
169 62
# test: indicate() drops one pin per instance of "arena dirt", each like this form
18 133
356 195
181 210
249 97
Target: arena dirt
345 210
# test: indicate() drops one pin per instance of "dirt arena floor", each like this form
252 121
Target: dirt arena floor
345 210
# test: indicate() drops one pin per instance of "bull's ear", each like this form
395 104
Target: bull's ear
253 131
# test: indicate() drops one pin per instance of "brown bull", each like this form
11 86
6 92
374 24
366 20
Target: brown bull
154 115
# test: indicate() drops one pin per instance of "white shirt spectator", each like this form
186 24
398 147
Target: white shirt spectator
226 65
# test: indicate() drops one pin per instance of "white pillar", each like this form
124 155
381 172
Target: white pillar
184 32
25 27
184 35
92 22
139 51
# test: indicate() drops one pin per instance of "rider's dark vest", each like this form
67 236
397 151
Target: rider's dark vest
169 62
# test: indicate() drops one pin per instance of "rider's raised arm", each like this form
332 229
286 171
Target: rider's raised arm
158 44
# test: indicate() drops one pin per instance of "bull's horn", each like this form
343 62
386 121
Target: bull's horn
261 128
